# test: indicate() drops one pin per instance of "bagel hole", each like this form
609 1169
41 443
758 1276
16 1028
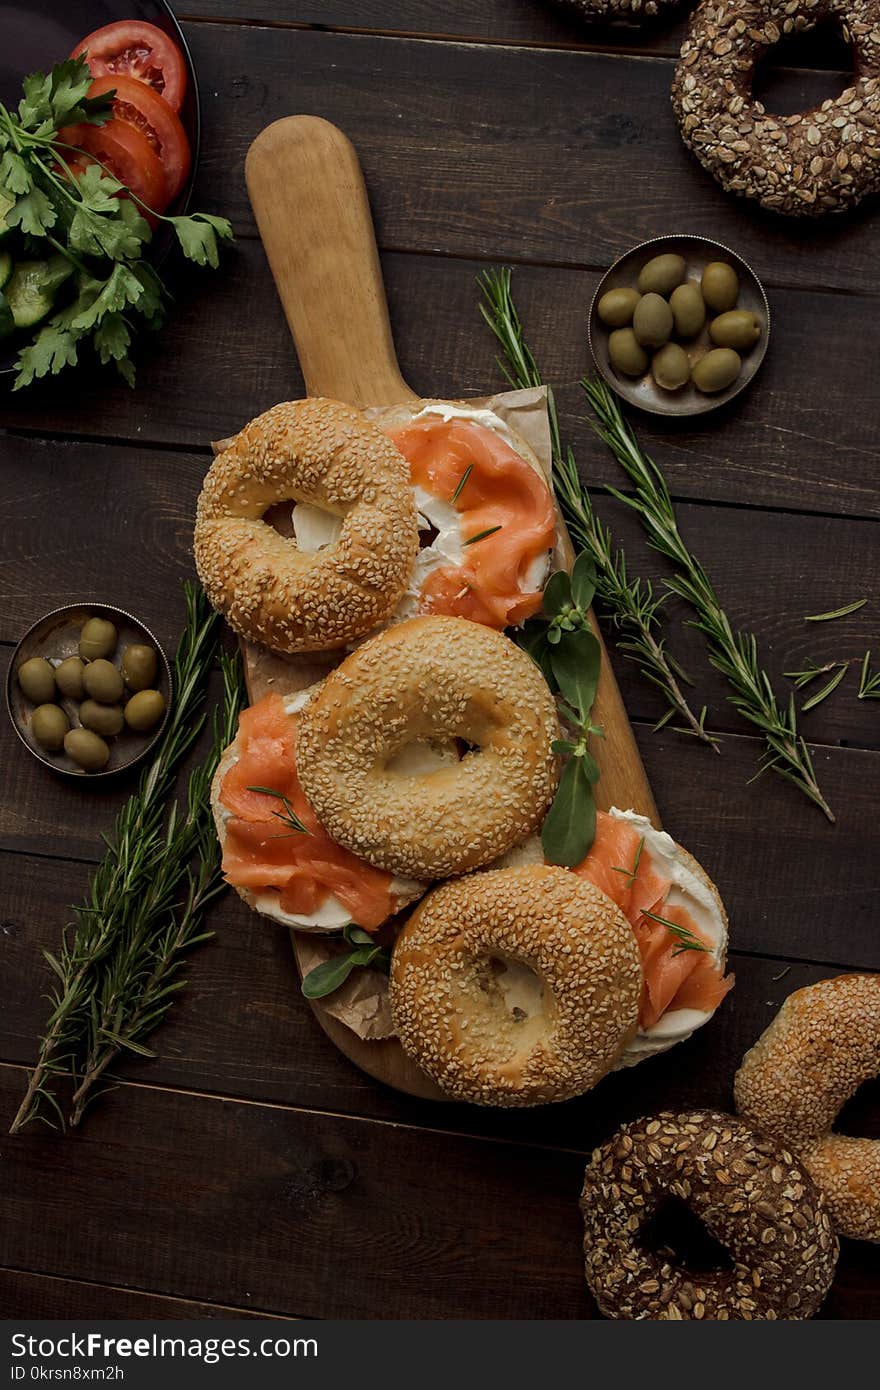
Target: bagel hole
515 987
803 70
675 1233
422 756
860 1116
312 530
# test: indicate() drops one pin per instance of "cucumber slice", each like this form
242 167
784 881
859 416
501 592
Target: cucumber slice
6 264
6 202
7 322
32 289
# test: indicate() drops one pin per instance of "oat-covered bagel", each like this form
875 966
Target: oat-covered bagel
751 1194
324 453
821 1046
818 161
620 9
516 986
430 681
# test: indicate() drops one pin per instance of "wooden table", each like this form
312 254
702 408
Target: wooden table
251 1167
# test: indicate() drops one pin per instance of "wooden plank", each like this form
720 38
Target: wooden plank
241 1028
783 443
27 1296
314 1213
452 168
135 507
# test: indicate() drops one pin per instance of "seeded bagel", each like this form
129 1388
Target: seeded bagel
516 986
750 1192
821 1046
809 163
325 453
430 680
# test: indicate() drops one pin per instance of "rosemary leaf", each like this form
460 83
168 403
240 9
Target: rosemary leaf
826 690
631 603
869 681
734 654
481 535
837 612
460 484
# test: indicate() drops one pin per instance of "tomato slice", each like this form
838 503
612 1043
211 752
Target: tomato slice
129 156
138 50
139 106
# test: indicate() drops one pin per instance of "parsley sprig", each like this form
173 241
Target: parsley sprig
78 215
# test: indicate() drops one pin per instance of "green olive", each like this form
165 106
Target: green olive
37 680
662 274
87 749
720 286
688 310
144 710
671 367
738 328
103 682
717 370
139 665
626 355
98 638
49 724
69 678
652 321
616 307
106 720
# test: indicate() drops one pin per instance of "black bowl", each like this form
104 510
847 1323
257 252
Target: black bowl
39 33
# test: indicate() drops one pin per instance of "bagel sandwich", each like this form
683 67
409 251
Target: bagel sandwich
297 876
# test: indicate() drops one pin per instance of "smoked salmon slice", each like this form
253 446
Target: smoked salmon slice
263 853
493 490
675 977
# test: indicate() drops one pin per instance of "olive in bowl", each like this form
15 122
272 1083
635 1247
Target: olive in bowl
98 659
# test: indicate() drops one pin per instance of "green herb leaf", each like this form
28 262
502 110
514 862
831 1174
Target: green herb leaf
356 936
633 873
53 349
288 816
687 940
583 580
575 665
557 593
15 176
121 288
869 681
570 826
837 612
460 484
826 689
198 236
33 213
327 977
481 535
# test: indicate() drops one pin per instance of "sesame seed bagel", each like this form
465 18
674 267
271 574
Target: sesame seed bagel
324 453
430 679
821 1046
809 163
516 986
751 1194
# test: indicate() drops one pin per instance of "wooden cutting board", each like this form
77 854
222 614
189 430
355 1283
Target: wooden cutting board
308 195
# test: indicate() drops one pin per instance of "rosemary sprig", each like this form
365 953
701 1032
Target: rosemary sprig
140 977
686 939
633 873
631 603
460 484
481 535
810 673
125 874
288 816
869 681
830 686
837 612
734 654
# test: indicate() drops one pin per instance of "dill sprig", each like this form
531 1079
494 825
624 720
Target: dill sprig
630 603
734 654
124 878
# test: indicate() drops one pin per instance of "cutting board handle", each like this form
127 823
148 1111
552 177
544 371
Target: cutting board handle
311 206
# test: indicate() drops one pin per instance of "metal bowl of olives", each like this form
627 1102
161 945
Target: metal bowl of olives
88 690
675 315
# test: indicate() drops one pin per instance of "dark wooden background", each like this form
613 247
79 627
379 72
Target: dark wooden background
251 1167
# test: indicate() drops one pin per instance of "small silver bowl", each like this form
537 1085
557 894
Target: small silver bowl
56 636
643 392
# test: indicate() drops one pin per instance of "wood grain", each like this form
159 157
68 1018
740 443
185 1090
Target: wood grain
27 1296
453 169
312 1214
780 444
